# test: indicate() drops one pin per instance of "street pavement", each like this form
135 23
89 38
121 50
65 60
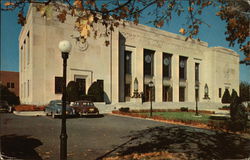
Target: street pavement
37 138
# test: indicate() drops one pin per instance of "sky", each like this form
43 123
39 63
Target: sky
214 35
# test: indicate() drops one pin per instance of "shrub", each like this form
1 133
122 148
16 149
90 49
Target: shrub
226 107
184 109
7 95
96 90
226 98
72 91
125 109
238 120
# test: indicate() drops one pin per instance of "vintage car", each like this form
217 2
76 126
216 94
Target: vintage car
54 108
4 106
85 108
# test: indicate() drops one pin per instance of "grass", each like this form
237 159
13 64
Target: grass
182 116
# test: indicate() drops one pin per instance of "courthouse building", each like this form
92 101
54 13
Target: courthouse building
174 65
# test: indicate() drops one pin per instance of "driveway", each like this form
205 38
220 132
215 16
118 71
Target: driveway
37 138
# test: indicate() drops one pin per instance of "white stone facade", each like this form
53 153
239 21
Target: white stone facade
41 62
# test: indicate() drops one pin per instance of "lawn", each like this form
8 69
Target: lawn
182 116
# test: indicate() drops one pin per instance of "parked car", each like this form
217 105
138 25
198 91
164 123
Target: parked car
54 108
4 106
84 107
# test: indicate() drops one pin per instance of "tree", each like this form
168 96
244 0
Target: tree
112 13
8 96
72 91
245 91
226 98
238 115
234 95
96 91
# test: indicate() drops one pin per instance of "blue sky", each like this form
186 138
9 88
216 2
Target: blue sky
214 35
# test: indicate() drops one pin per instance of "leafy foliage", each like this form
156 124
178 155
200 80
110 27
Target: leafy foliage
226 98
8 96
112 13
72 91
96 91
238 121
245 91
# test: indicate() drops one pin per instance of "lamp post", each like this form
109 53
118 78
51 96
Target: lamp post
151 85
65 47
196 99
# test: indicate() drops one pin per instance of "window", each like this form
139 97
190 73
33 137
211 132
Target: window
8 84
197 72
219 92
146 94
127 90
183 68
21 56
148 62
58 84
127 62
166 65
182 94
12 85
28 88
167 93
24 54
28 48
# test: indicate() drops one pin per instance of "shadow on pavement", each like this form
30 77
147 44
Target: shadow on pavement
194 143
20 147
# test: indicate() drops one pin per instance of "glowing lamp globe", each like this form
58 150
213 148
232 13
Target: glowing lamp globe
65 46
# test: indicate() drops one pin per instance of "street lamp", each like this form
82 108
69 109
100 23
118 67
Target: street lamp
196 99
151 85
65 47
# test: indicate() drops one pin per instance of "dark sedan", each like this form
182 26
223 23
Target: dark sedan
85 108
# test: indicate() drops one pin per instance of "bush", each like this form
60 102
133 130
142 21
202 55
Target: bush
226 98
96 90
238 120
225 107
7 95
72 91
184 109
125 109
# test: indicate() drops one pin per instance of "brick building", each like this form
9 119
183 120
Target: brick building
10 80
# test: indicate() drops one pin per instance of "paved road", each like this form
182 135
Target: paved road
37 138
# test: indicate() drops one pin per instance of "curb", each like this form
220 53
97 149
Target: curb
29 113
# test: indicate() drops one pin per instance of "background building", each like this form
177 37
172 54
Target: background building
137 52
10 80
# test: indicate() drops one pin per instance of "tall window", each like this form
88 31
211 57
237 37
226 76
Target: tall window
12 85
127 62
24 54
182 94
28 48
127 90
183 68
148 62
28 88
197 72
21 56
219 92
167 93
58 84
166 65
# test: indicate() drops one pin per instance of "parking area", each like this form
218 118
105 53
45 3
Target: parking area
37 137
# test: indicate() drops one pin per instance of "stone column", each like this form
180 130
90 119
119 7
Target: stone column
175 75
190 87
139 67
158 76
